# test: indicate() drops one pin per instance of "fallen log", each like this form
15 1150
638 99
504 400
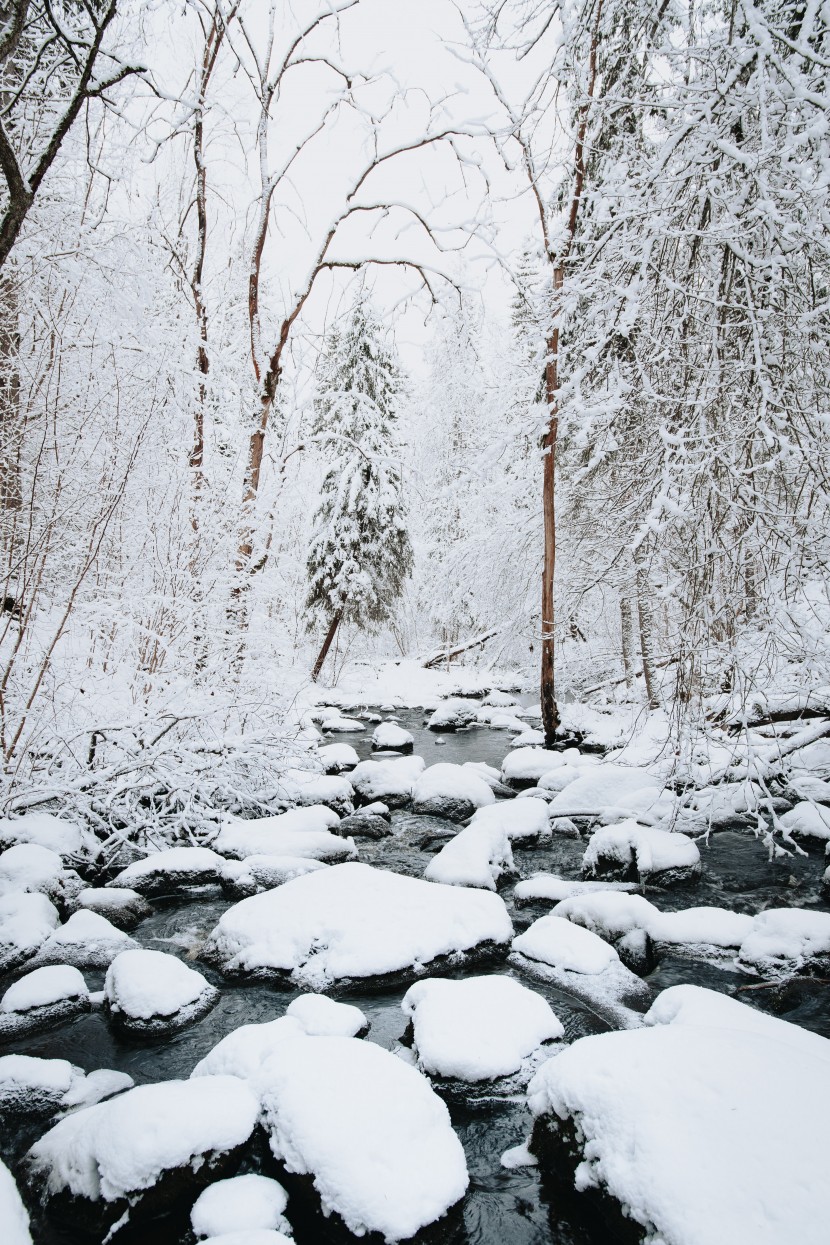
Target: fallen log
447 654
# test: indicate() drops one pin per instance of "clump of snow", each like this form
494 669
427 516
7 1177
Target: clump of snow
343 1111
555 889
698 928
310 789
519 819
500 700
122 906
391 781
262 873
452 791
26 921
390 736
13 1214
87 940
489 773
611 914
730 1081
28 1084
477 1029
44 987
170 869
555 780
239 1205
658 856
529 738
119 1148
452 715
338 724
55 833
783 941
320 1016
337 757
478 856
303 832
353 921
811 820
29 868
249 1236
608 786
560 943
144 990
529 765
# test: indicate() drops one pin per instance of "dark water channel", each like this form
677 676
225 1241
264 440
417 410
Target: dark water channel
502 1207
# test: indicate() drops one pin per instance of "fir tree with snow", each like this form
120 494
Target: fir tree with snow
360 554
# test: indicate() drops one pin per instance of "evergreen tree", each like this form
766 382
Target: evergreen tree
360 554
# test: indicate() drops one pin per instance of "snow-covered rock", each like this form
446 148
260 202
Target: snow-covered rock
42 998
370 822
500 700
309 789
302 832
342 1112
120 905
546 886
55 833
629 852
783 941
479 855
321 1016
336 723
30 1086
523 820
452 715
29 868
151 992
249 1236
337 757
26 921
353 922
809 787
699 932
240 1204
450 791
524 767
556 780
810 820
168 871
608 786
168 1140
484 1032
622 919
242 878
582 963
389 737
390 781
605 1112
13 1214
87 940
528 738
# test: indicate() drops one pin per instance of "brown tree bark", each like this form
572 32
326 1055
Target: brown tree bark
321 656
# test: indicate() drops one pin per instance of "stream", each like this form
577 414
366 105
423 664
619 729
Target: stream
502 1207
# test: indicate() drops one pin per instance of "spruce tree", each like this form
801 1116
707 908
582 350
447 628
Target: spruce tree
360 554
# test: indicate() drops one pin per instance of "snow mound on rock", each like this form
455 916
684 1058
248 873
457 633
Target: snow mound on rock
548 886
55 833
391 781
239 1205
177 866
27 867
450 789
302 832
262 873
388 735
564 945
607 785
477 856
29 1084
353 921
519 819
652 853
477 1029
26 921
811 820
42 988
700 927
13 1214
611 914
783 941
144 985
86 940
336 757
528 765
344 1111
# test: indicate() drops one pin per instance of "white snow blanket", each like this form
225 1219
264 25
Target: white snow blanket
338 724
452 715
303 832
811 820
13 1214
142 985
308 788
530 764
369 1129
114 901
700 928
261 873
240 1204
180 866
611 914
42 988
446 782
249 1236
391 781
548 886
477 856
86 940
653 852
783 941
28 867
121 1147
353 921
477 1029
717 1178
519 819
338 756
608 786
26 921
31 1084
46 830
555 780
391 736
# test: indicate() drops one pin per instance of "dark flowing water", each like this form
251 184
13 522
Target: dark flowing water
502 1207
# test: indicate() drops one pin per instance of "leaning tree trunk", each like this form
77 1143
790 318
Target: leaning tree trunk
321 656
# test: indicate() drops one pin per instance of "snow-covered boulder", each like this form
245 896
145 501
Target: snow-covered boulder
177 868
452 715
240 1204
548 887
631 852
491 776
619 918
608 786
339 1112
581 963
243 1051
809 787
308 789
337 724
480 1036
135 1155
451 792
120 905
389 737
87 940
26 921
500 700
151 992
303 832
479 855
808 819
784 941
370 822
524 820
524 767
390 781
42 998
700 933
556 780
30 1086
29 868
528 737
606 1108
353 922
13 1214
55 833
242 878
337 757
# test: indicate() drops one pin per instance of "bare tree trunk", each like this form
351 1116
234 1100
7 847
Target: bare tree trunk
627 629
646 636
321 656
